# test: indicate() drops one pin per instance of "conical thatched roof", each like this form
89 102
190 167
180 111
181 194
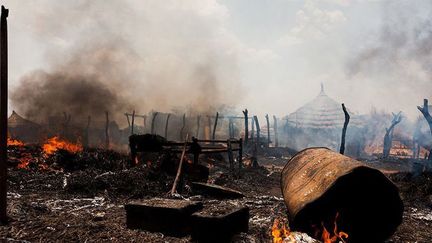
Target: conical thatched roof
16 120
321 112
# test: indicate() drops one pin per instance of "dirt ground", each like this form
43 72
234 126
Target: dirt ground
81 198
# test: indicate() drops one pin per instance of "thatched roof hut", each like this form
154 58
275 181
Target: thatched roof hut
321 113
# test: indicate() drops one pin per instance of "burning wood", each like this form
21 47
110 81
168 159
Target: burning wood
55 143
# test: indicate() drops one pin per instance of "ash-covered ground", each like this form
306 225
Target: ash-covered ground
81 197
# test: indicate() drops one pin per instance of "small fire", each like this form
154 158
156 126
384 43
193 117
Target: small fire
280 233
14 142
24 162
335 236
55 143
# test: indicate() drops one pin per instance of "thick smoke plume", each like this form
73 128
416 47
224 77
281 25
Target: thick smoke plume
397 60
127 57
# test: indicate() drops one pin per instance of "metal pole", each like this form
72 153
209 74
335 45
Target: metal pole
3 113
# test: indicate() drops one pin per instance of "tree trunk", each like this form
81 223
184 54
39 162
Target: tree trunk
198 126
183 127
258 132
215 125
388 137
425 111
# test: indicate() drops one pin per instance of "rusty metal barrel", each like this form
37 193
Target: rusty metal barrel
318 184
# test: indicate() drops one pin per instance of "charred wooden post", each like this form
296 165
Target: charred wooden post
133 122
258 131
153 122
246 129
344 129
107 138
425 111
268 130
215 125
183 126
166 125
275 128
388 137
198 126
179 169
3 113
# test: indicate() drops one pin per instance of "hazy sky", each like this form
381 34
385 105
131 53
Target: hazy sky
269 56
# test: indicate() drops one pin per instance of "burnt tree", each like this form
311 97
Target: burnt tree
198 126
425 111
344 129
388 137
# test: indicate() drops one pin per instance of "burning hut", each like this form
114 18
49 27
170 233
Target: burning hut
23 129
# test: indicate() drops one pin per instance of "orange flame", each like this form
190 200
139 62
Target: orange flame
328 237
24 162
280 233
55 143
14 142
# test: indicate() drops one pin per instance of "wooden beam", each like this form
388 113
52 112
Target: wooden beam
3 113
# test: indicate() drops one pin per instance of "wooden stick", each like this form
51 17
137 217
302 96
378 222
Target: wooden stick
133 122
179 169
246 127
347 118
215 125
3 114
